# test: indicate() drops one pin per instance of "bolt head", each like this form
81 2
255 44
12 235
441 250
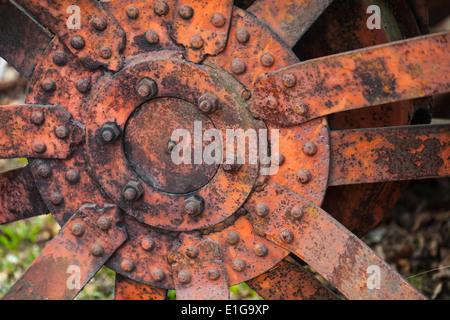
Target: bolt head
77 42
238 66
213 273
61 132
218 20
146 88
97 250
193 205
133 190
208 103
287 236
77 229
304 176
127 265
267 59
161 8
260 250
99 23
132 12
109 133
186 12
104 223
184 276
158 274
238 265
310 149
148 244
37 117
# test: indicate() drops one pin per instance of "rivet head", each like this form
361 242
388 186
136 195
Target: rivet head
304 176
61 132
77 42
232 237
72 176
146 88
170 145
99 23
186 12
83 85
104 223
218 20
37 117
262 209
192 252
48 85
297 212
238 66
105 52
213 273
289 80
44 170
310 149
287 236
127 265
132 12
242 35
260 250
39 146
272 103
161 8
148 244
158 274
59 58
267 59
184 276
238 265
193 205
56 198
77 229
133 190
151 37
97 250
301 108
196 42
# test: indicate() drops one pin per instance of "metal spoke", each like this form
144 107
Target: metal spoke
288 280
289 19
322 242
73 257
21 44
402 70
19 196
389 154
128 289
37 131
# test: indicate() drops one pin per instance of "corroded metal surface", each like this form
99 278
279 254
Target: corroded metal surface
127 289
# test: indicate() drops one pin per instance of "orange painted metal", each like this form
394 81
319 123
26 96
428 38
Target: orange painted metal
389 154
37 131
288 19
72 258
288 280
95 37
127 289
314 236
401 70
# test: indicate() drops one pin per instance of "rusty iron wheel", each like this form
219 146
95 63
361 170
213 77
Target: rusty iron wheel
104 100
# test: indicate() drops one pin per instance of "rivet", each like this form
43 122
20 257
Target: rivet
272 103
72 176
238 265
48 85
61 132
39 146
99 23
262 209
218 20
310 149
127 265
104 223
297 212
170 145
242 35
260 250
196 42
304 176
59 58
186 12
301 108
213 273
83 85
56 198
148 244
132 12
158 274
238 66
184 276
192 252
97 250
105 52
77 42
289 80
232 237
267 59
37 117
77 229
287 236
161 8
44 170
151 37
